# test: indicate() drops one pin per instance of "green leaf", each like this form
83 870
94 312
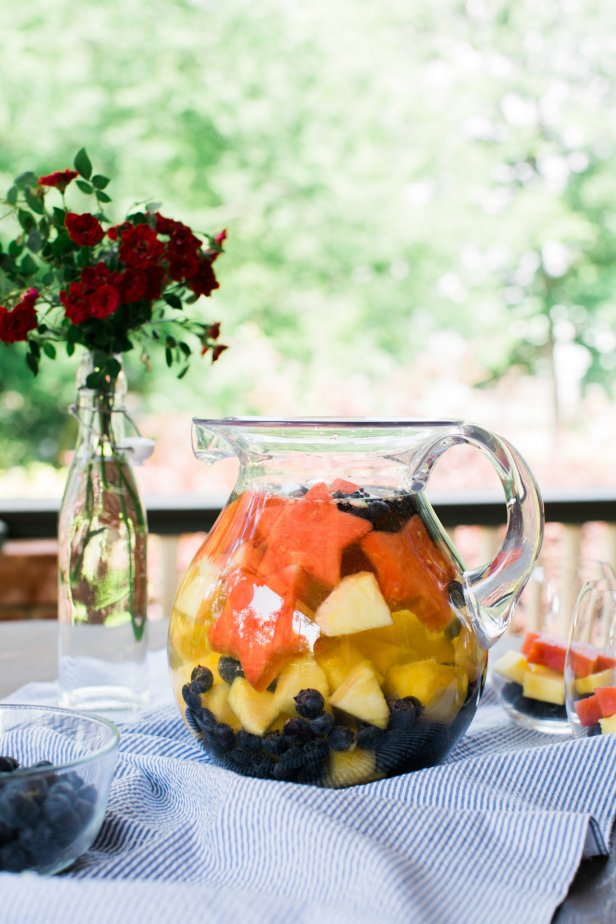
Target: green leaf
183 372
102 197
26 179
35 349
42 328
70 349
34 241
83 164
11 196
85 187
32 363
112 368
35 202
25 219
186 350
15 248
28 266
95 379
58 217
168 357
49 350
170 341
99 181
173 301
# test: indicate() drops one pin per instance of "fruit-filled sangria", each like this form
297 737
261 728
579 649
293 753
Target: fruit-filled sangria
321 636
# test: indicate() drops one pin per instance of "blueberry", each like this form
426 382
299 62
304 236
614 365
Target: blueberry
341 738
368 737
261 767
309 703
59 810
191 697
323 724
8 764
290 761
229 669
223 736
297 729
275 743
249 741
88 793
404 711
239 759
13 858
7 832
201 679
84 809
315 752
456 596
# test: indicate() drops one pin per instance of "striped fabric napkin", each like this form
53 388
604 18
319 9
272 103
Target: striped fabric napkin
494 834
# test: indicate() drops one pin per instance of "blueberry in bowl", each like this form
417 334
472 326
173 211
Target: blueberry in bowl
56 768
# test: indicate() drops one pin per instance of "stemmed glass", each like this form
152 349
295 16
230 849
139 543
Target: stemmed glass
590 665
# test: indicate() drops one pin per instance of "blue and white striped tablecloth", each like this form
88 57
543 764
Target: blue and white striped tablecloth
495 834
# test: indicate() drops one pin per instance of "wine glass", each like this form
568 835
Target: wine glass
529 674
590 664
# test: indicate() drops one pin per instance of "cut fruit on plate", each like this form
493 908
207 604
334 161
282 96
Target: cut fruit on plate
606 697
355 605
588 711
361 696
256 711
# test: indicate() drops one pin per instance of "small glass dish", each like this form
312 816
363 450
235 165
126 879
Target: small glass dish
56 768
590 666
528 667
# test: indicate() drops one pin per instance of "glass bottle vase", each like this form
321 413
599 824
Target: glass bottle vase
102 559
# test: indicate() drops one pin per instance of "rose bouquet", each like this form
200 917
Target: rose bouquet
74 278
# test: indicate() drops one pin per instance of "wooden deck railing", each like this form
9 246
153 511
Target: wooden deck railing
171 517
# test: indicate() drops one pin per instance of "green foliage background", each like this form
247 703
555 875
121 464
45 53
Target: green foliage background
385 170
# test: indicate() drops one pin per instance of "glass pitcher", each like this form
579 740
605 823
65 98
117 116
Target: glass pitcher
327 631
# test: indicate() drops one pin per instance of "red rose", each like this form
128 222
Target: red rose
218 349
16 324
84 230
156 278
204 281
95 295
118 230
164 225
214 331
221 237
58 180
140 248
183 264
133 285
104 301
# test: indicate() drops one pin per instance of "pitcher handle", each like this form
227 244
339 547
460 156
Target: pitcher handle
494 588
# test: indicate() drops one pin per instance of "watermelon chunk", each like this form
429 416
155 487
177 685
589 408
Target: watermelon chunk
604 662
583 658
258 627
548 652
606 697
589 711
345 487
529 638
311 533
411 572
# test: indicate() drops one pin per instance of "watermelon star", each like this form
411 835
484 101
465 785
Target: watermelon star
311 532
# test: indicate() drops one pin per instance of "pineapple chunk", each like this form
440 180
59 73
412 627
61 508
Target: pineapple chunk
217 700
355 605
349 767
188 640
301 674
256 711
383 654
590 683
408 631
198 586
360 695
337 657
425 680
608 726
547 687
512 665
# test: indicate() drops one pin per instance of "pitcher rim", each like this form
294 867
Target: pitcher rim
326 422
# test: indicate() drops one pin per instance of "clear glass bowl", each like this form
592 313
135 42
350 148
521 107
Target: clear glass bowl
527 669
53 803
